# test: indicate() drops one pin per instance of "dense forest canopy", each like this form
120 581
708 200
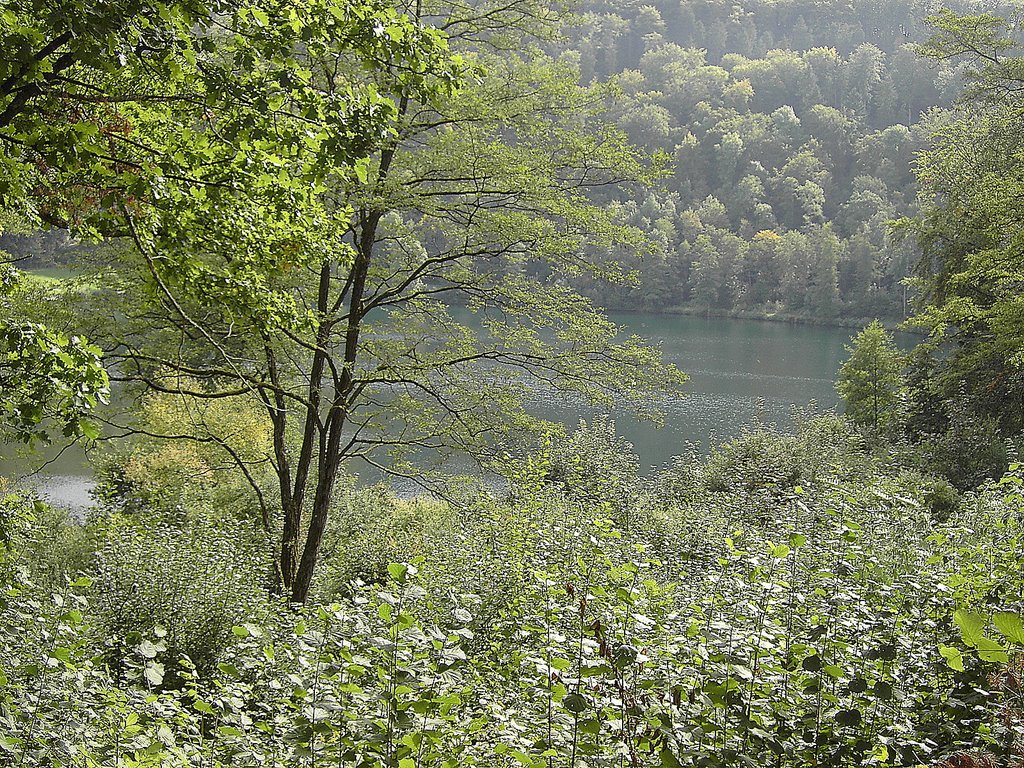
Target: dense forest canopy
792 127
752 28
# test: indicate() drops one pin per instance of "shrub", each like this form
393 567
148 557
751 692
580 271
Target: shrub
763 459
370 528
56 548
197 472
970 451
942 500
50 547
195 581
757 460
594 464
15 513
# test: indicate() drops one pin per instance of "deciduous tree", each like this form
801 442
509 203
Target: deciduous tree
115 113
346 319
971 228
871 381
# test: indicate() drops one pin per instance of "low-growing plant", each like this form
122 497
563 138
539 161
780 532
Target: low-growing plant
595 465
57 548
765 459
970 450
369 529
196 581
942 499
535 630
185 458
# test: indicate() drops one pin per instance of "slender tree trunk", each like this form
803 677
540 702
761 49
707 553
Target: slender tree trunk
296 498
331 454
321 509
277 411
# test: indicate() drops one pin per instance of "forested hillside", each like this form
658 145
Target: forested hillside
791 129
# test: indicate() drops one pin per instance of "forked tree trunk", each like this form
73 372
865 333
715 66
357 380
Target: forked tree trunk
325 443
331 453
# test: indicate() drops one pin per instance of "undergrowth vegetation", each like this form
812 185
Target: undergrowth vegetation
798 606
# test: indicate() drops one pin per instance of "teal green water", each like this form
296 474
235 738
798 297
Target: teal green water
740 370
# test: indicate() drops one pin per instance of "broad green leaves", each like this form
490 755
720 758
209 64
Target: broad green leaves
1010 625
48 381
972 628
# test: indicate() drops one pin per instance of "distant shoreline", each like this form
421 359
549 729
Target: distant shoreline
856 323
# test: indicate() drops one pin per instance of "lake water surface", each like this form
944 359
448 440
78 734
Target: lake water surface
740 370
